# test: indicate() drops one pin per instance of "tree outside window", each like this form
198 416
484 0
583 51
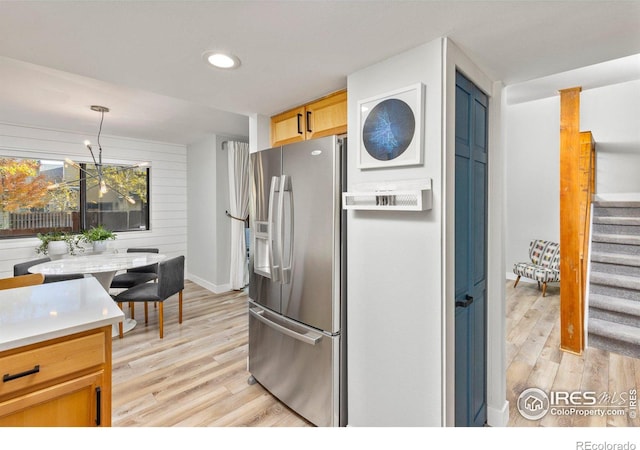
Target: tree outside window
37 196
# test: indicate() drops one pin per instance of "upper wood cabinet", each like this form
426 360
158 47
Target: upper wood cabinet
323 117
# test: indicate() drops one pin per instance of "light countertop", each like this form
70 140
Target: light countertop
38 313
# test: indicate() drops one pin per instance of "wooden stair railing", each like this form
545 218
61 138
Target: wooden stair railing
586 175
577 186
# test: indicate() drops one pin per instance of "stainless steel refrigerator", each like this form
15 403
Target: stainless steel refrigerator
297 307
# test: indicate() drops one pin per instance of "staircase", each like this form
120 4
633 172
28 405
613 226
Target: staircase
614 289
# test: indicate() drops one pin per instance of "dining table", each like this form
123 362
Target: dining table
103 267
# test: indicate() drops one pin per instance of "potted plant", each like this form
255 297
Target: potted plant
56 244
98 236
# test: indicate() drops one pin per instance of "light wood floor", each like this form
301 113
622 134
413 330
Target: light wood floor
197 375
535 360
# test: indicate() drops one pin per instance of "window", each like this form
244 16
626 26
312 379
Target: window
37 196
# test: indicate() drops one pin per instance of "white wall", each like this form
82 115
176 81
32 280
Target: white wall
395 295
401 265
611 113
168 190
209 228
533 176
202 223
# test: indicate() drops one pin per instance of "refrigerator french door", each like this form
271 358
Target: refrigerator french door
296 304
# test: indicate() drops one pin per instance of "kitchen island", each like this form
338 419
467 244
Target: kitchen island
55 354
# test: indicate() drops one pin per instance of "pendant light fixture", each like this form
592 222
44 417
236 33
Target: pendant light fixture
104 186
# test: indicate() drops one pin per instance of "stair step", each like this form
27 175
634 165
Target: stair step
616 204
611 228
616 337
614 330
626 239
615 269
606 247
616 258
611 291
617 220
614 280
605 211
616 304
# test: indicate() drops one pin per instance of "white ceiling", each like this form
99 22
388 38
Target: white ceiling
143 59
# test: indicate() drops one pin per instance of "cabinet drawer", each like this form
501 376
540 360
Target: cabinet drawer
39 365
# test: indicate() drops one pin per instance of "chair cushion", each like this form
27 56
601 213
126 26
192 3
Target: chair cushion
153 268
130 279
170 282
545 253
23 269
536 272
147 292
56 278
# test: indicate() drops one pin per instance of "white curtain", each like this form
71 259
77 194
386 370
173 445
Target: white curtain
238 167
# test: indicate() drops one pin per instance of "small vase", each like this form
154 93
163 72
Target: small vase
99 246
57 249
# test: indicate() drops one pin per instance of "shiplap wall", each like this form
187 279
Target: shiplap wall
168 186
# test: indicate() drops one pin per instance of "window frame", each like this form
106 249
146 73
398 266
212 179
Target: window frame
82 196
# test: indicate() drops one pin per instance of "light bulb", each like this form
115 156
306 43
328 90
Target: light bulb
221 60
103 187
130 200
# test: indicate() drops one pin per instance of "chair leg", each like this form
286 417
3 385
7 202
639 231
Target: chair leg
180 307
538 285
161 319
146 313
516 283
544 288
133 310
120 326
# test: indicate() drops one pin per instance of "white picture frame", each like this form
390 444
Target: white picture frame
391 129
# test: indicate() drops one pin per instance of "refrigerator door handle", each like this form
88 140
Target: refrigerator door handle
309 337
286 186
271 233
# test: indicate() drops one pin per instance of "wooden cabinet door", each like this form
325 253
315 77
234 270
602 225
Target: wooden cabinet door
288 127
327 116
79 402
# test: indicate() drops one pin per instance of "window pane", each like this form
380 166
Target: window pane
120 203
37 196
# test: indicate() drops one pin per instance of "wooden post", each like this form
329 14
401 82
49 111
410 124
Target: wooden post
571 300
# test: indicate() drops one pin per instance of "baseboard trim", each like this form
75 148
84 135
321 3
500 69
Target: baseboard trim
215 288
498 417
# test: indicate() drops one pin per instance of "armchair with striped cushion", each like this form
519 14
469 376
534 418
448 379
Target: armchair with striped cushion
544 264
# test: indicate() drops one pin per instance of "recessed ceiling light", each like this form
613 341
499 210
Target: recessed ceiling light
222 60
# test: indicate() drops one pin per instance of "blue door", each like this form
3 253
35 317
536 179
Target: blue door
470 253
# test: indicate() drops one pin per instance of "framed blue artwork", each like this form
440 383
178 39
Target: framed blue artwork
391 129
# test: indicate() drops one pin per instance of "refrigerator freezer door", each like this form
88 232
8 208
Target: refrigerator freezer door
311 260
264 263
297 364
